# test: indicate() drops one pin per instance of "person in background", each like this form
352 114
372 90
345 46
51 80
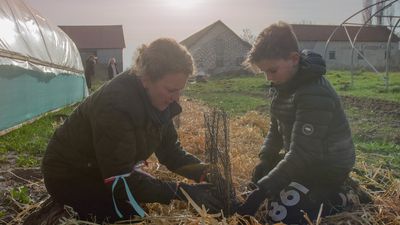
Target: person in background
89 70
308 152
112 69
93 161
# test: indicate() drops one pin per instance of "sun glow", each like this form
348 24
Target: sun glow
182 4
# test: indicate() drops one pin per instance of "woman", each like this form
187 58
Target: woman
91 162
112 69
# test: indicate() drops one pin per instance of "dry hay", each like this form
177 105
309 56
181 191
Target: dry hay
246 136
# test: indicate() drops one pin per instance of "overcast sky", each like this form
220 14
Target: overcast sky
146 20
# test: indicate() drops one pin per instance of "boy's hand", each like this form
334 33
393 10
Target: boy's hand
264 167
252 203
261 169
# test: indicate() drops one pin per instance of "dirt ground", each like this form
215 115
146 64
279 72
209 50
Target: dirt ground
14 178
375 105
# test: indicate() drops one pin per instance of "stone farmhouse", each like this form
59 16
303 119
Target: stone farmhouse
216 49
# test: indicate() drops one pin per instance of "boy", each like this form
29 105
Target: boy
308 123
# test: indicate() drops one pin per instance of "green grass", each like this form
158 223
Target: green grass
376 134
233 103
30 140
3 213
26 160
236 95
366 84
21 194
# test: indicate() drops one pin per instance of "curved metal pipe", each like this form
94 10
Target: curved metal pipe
350 17
356 36
382 9
388 49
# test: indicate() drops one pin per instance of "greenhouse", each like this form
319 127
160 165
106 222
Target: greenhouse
40 67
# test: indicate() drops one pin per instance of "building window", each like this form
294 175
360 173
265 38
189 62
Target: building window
332 55
360 55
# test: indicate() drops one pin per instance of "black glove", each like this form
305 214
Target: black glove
252 203
251 187
196 172
202 194
263 168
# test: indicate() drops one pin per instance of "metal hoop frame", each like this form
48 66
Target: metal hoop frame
388 4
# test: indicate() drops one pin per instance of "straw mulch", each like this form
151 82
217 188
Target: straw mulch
246 136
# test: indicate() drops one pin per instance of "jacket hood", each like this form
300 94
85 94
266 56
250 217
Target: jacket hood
311 66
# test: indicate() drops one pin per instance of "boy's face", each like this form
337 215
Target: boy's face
279 71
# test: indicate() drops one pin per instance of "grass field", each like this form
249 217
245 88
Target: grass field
366 84
225 90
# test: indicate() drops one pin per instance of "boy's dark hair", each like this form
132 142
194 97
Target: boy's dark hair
275 42
161 57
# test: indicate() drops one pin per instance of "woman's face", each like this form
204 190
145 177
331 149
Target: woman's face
279 71
166 90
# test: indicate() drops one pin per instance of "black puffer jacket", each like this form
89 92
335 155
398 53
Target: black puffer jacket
309 124
111 131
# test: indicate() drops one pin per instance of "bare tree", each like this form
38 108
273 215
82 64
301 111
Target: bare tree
248 36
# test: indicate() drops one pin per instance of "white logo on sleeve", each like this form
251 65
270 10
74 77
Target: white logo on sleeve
308 129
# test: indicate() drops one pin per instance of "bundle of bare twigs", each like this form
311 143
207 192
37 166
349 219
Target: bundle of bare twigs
217 153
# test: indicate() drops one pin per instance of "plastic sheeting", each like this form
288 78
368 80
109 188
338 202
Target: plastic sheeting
25 97
40 67
27 36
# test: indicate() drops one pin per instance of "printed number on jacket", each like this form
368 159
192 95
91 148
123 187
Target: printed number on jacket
288 197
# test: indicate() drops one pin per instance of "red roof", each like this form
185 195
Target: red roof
111 36
308 32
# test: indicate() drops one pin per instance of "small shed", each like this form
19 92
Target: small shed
105 42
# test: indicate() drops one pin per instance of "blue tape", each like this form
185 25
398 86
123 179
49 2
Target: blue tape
132 200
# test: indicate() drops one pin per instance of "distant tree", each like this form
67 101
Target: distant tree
248 36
